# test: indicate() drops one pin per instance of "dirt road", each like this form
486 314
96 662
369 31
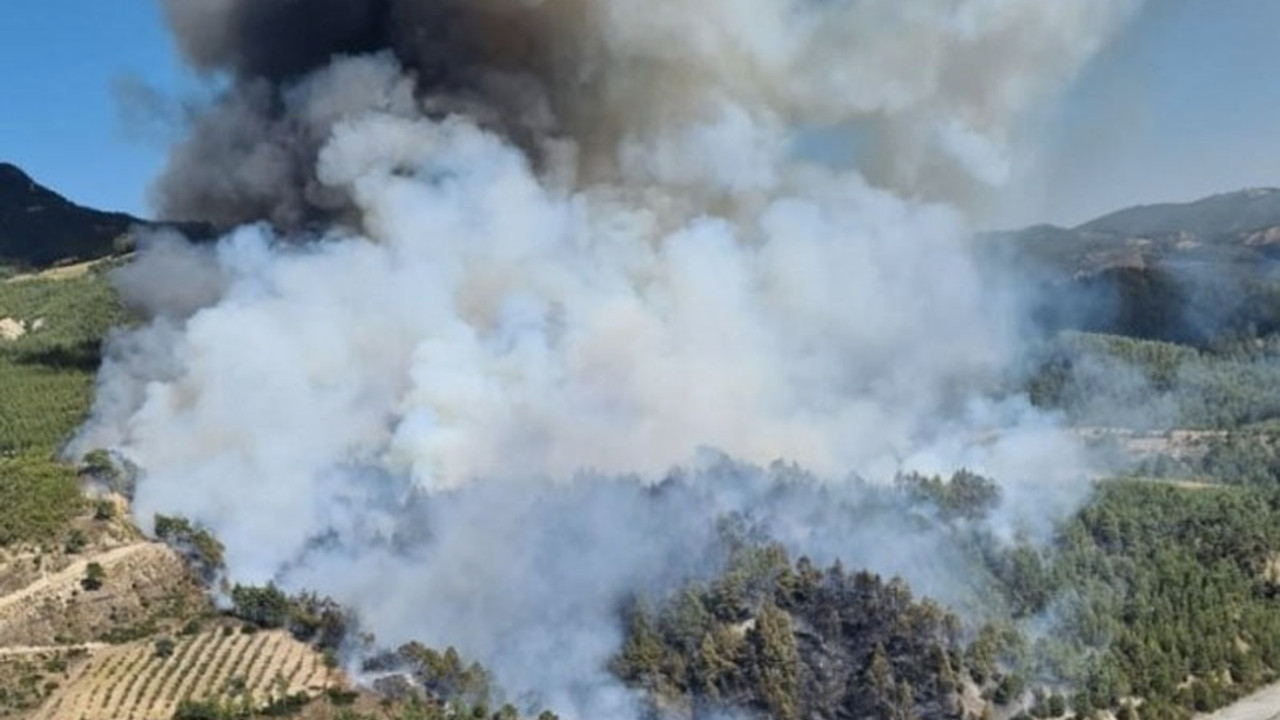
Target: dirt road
48 649
70 575
1262 705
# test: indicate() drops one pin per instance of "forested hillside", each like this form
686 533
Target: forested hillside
1202 273
1155 600
1158 598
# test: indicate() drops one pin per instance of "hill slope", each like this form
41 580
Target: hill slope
1189 272
39 227
1236 227
1219 216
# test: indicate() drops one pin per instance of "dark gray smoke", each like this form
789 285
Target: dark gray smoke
262 39
936 95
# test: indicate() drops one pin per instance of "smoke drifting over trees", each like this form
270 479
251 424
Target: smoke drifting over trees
549 245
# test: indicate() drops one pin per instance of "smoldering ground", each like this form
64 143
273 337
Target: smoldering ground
552 245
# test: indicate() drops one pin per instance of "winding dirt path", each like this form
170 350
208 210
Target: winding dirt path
42 649
70 575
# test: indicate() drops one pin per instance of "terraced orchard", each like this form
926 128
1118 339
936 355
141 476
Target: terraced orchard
147 680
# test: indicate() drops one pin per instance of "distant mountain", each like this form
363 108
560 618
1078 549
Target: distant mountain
1184 272
39 227
1194 272
1217 217
1239 228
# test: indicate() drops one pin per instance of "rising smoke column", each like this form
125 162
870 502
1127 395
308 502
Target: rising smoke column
493 256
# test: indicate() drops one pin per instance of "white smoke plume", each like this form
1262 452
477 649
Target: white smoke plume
498 254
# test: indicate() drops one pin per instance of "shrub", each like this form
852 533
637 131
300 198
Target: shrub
201 549
265 607
342 698
76 541
165 647
94 577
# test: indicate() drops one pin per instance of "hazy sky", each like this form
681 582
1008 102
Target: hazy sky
1186 103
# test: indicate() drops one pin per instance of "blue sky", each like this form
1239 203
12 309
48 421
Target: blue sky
63 62
1186 103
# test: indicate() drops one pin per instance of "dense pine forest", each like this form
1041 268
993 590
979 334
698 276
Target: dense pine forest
1155 599
1159 598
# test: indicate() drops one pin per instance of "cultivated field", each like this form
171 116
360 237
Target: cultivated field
136 682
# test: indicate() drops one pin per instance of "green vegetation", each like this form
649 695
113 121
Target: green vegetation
446 677
76 542
46 377
39 228
790 640
1165 593
1152 595
266 607
203 552
26 682
966 495
37 498
94 576
165 647
421 683
1250 458
1120 381
104 510
309 617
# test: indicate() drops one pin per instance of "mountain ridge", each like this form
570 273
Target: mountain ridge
1233 228
40 228
1231 212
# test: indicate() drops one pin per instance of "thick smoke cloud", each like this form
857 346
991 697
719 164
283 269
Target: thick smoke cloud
935 91
499 254
276 39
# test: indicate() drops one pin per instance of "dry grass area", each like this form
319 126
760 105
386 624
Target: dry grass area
135 682
131 649
23 564
143 584
98 622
